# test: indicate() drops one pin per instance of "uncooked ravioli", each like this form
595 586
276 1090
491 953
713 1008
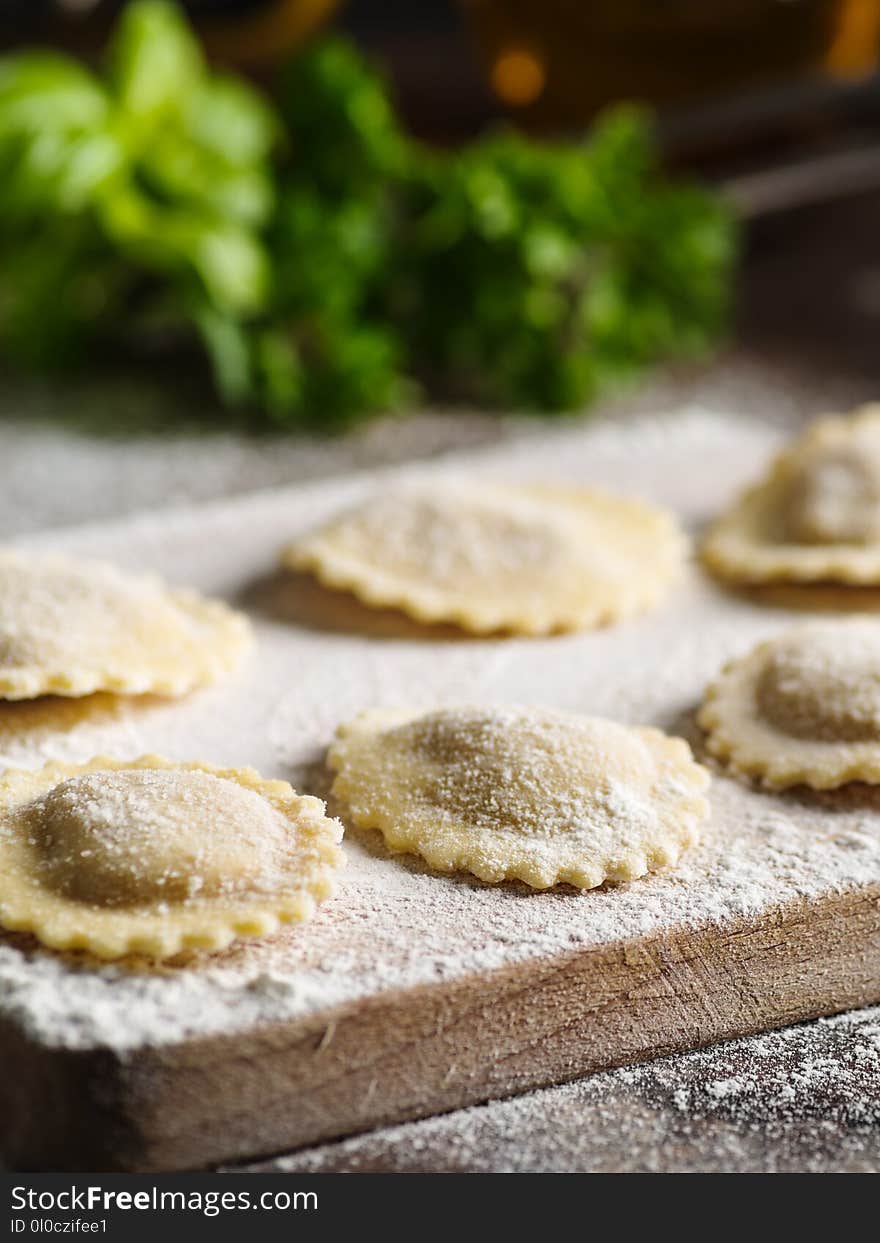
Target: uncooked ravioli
815 517
521 792
72 627
152 857
801 708
525 559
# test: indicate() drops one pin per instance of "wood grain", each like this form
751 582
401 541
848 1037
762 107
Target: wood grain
425 1050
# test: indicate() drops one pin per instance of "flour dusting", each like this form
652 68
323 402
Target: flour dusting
394 924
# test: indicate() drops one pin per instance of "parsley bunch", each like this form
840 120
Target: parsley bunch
539 276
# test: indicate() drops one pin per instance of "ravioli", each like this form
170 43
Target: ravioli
523 559
71 627
801 708
521 793
150 857
815 517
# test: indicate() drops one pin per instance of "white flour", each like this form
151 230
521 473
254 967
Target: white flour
126 441
393 923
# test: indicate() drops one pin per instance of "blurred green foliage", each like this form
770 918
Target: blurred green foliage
538 275
324 353
142 192
324 259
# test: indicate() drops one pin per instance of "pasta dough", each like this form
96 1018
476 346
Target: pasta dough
815 517
71 627
521 792
524 559
802 708
152 857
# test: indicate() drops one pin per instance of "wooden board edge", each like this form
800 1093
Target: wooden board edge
411 1053
60 1108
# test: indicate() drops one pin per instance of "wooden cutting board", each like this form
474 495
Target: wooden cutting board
412 993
